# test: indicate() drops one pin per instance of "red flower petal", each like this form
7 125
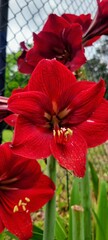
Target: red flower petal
95 129
31 141
75 43
55 24
31 105
41 192
46 44
20 168
23 65
84 19
51 78
1 226
66 98
17 223
101 113
95 133
85 103
37 194
11 119
72 155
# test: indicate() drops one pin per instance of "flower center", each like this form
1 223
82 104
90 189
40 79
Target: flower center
62 135
64 57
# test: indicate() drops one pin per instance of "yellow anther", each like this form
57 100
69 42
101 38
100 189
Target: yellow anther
27 199
54 133
66 133
23 204
20 202
58 131
15 209
69 131
24 208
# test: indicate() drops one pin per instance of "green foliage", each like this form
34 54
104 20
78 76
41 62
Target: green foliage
60 229
7 135
95 179
97 67
37 233
102 213
14 79
80 209
82 224
8 236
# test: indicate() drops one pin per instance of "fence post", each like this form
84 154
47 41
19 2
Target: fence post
3 42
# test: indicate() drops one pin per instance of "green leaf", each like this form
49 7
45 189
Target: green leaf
60 230
37 233
75 199
86 203
77 223
102 213
7 233
95 179
76 218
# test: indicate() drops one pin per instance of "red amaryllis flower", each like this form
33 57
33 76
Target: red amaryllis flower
51 115
23 189
99 24
59 40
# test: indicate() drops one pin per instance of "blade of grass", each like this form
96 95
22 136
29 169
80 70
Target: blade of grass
60 230
102 213
95 179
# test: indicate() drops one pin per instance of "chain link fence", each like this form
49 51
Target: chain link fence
18 19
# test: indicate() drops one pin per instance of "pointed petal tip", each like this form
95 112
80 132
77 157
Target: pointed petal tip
80 172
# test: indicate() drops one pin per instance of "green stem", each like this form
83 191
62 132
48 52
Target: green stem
50 211
86 203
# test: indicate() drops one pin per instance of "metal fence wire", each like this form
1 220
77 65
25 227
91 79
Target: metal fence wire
18 19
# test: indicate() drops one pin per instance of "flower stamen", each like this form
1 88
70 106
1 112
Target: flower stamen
62 135
15 209
21 204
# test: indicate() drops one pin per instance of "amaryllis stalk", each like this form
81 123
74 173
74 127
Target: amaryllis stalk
58 39
56 114
23 189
